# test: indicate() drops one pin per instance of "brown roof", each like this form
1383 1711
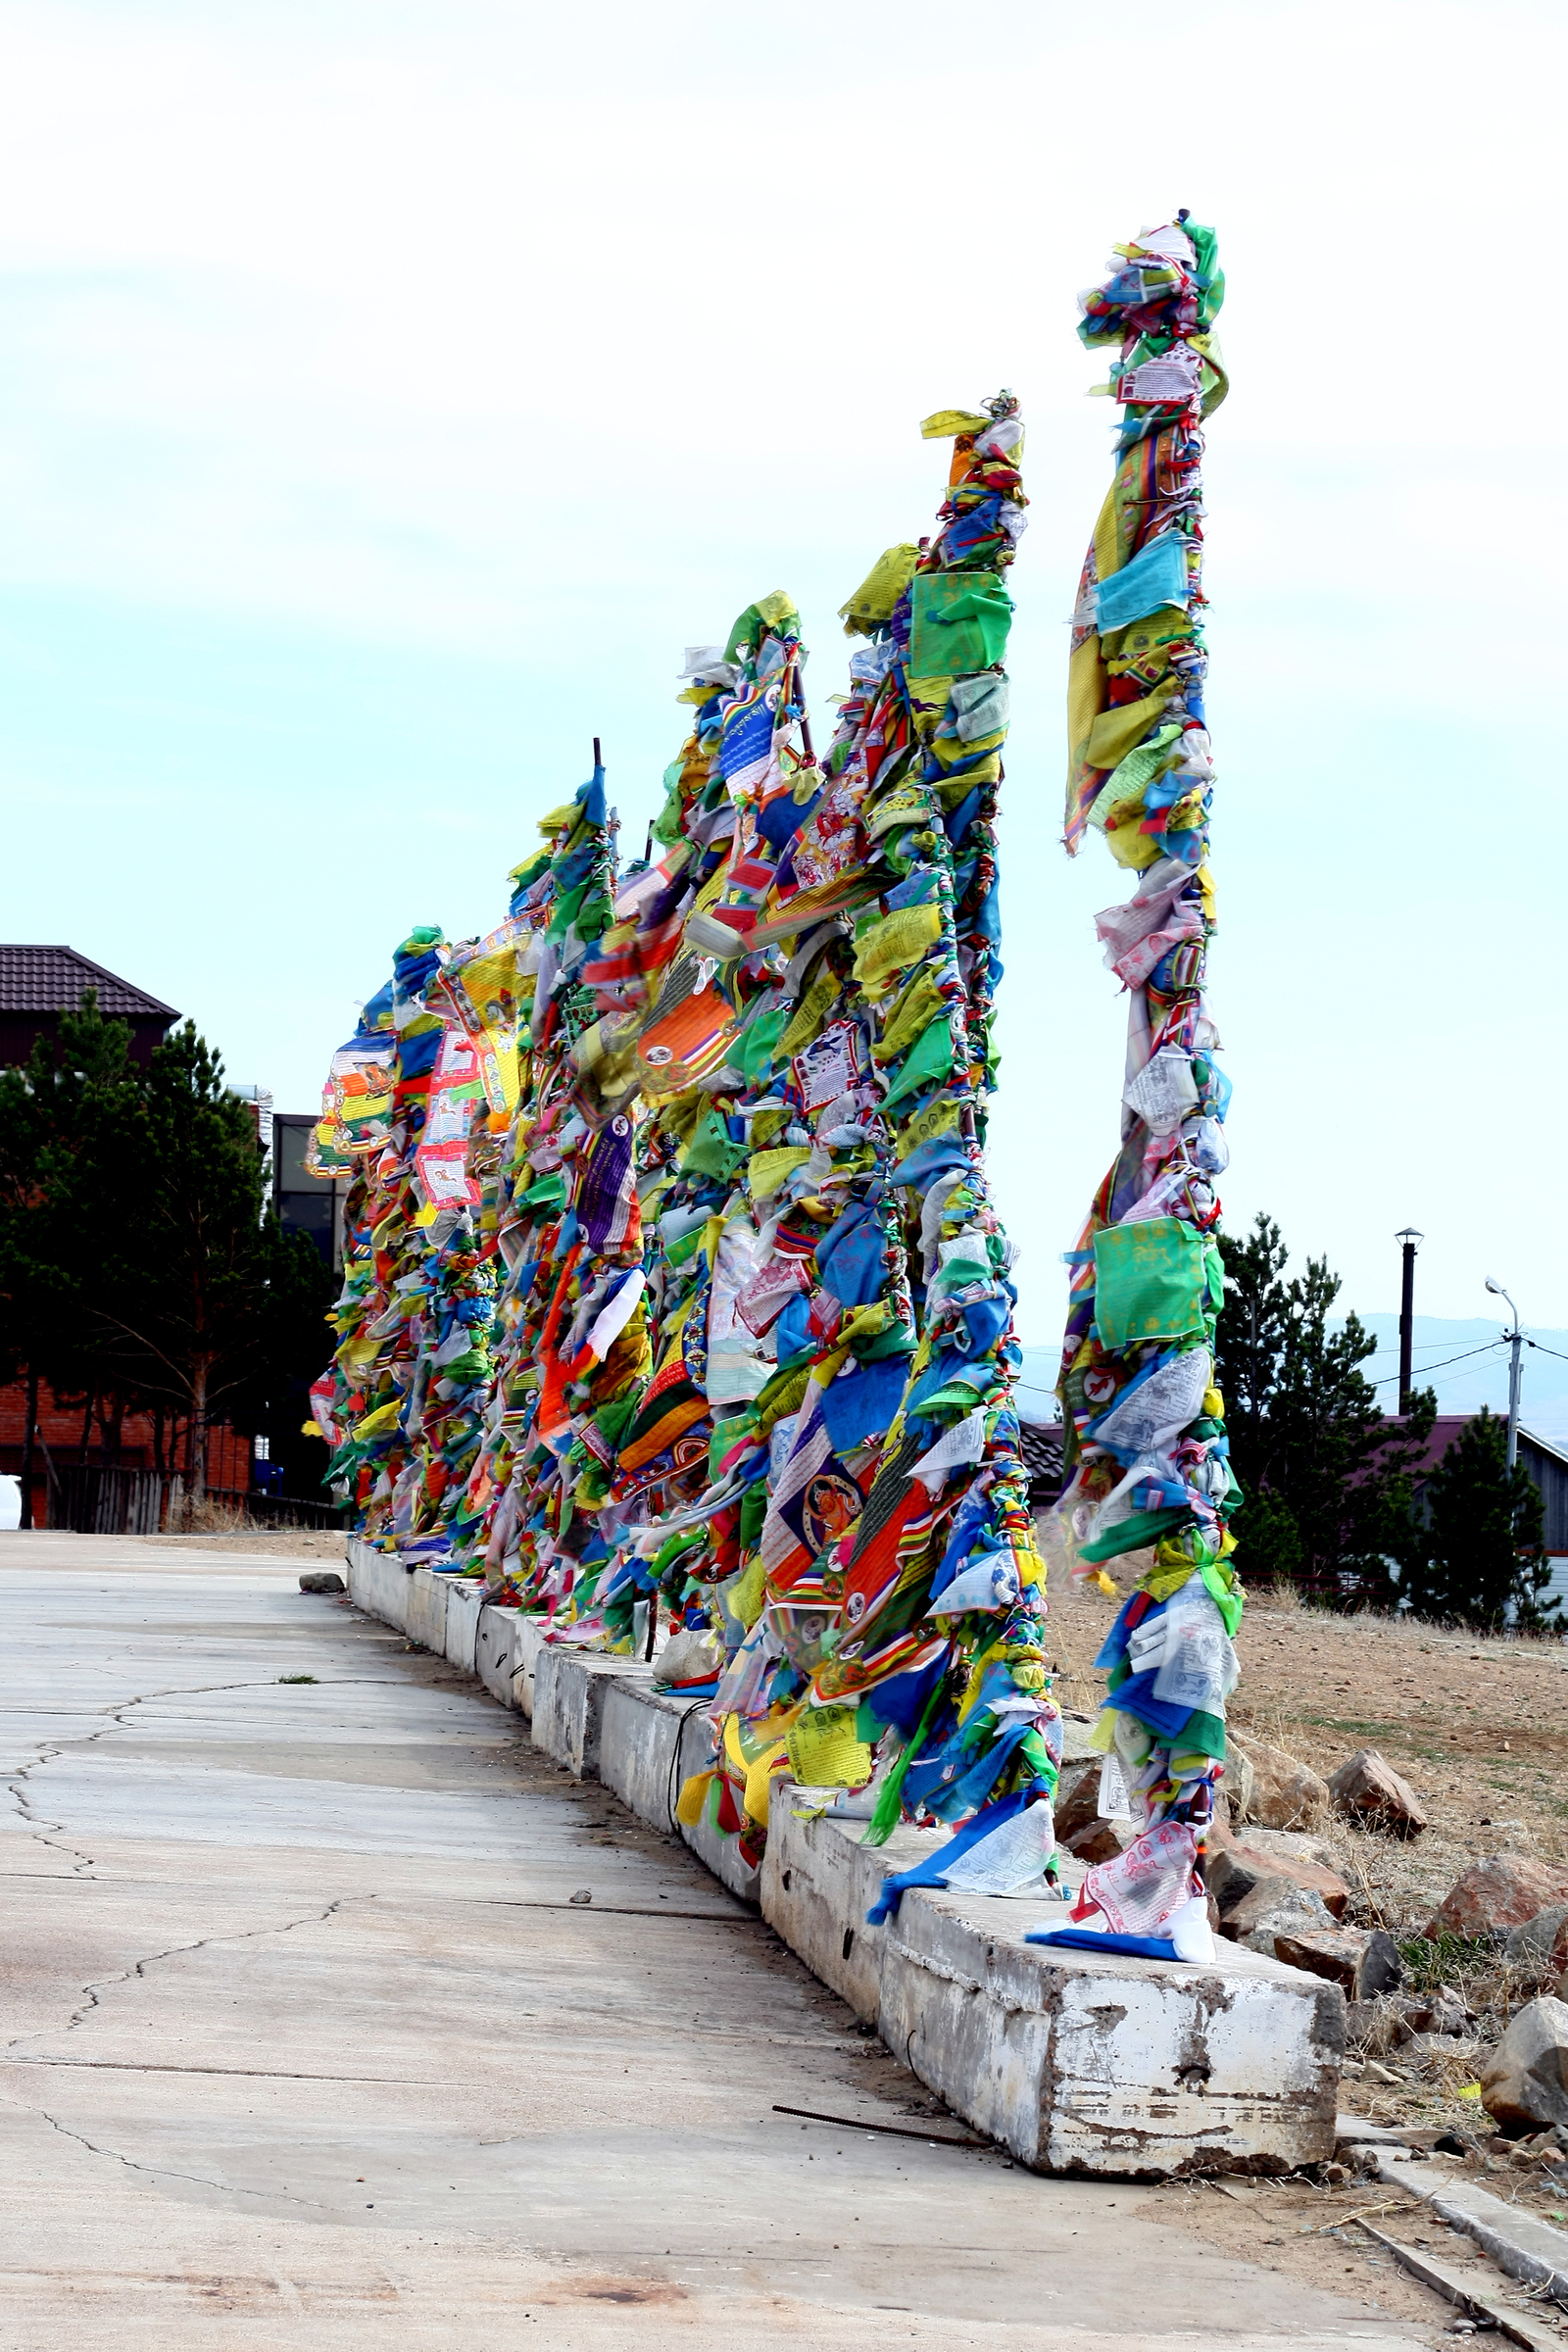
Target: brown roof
42 980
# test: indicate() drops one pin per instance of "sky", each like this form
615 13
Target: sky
389 392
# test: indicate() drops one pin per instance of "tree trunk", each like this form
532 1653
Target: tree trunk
112 1425
29 1436
86 1426
198 1430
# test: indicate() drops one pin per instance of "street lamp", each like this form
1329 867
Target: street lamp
1515 1339
1409 1241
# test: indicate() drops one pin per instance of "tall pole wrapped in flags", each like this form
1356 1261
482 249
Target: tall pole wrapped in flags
1150 1484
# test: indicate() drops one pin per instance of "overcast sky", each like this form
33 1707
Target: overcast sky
390 391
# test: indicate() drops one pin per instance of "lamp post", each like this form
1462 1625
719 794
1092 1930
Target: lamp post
1515 1339
1409 1241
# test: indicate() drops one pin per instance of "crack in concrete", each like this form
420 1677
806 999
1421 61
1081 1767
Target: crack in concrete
39 1830
167 2172
83 1863
139 1968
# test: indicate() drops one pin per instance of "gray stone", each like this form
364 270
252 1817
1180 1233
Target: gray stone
1240 1782
1543 1941
1382 1970
1076 1733
323 1580
1273 1908
465 1600
1285 1795
1524 2085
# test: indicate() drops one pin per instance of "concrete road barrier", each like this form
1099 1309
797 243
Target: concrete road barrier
464 1596
530 1641
1078 2062
379 1584
495 1649
570 1689
426 1618
817 1883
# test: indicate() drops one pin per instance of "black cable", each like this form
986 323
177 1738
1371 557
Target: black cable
1443 1367
675 1760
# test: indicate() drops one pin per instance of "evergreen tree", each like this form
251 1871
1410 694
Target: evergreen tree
1482 1558
64 1115
1329 1483
141 1267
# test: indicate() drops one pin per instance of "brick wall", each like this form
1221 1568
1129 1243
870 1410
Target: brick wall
228 1454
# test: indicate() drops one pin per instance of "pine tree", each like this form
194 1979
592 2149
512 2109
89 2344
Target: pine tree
1481 1557
1328 1481
140 1266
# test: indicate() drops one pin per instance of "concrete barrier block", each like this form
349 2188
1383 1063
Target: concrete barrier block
379 1582
1083 2063
426 1620
817 1883
495 1649
719 1850
640 1739
464 1595
530 1641
570 1689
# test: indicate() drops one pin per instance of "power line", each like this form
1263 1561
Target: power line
1443 1367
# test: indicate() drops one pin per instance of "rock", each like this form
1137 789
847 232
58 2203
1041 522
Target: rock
1076 1734
1076 1805
323 1580
1096 1842
1524 2085
1241 1781
1364 1960
1366 1790
1236 1865
1273 1908
1382 1970
1543 1941
1291 1846
1359 2019
1284 1794
1332 1952
1501 1890
1443 2012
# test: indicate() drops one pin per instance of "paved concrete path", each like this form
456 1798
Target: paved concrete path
307 2044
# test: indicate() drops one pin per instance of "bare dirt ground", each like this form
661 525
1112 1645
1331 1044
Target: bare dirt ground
265 1543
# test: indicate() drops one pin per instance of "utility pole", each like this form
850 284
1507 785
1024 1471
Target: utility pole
1409 1241
1516 1341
